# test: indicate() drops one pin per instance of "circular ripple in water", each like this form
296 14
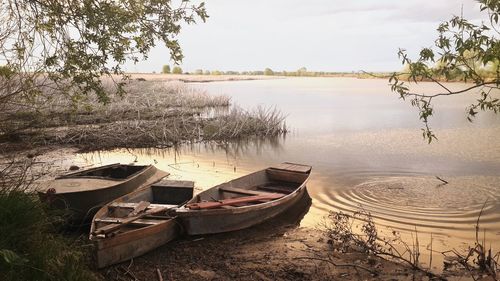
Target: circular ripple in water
406 202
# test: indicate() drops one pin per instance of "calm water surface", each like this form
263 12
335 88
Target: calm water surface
366 150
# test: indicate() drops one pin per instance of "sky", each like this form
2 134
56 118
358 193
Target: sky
321 35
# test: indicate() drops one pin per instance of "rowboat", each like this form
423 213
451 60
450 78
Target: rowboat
245 201
82 193
138 222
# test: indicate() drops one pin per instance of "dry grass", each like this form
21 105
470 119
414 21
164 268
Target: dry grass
238 122
151 114
358 232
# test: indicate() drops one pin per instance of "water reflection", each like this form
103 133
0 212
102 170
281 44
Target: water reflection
207 164
241 148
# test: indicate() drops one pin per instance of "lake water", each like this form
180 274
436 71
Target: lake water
367 151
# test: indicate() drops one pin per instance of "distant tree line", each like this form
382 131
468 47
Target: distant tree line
267 71
488 72
175 70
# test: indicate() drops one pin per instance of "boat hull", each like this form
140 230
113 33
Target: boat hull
232 220
125 246
82 205
132 241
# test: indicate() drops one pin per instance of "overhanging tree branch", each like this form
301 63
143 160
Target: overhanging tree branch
73 43
463 52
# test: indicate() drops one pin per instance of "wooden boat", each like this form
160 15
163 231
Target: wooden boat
138 222
245 201
83 192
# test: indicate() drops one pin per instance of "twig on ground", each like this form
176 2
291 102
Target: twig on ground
158 273
330 261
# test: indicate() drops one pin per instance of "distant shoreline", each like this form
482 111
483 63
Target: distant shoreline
197 78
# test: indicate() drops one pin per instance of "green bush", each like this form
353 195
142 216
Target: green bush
177 70
268 71
30 246
165 69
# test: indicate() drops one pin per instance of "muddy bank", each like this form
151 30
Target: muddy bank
274 250
287 253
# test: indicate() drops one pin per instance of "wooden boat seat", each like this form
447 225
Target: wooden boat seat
117 223
292 167
128 205
247 191
278 189
138 222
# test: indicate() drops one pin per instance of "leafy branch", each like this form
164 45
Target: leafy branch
463 51
69 45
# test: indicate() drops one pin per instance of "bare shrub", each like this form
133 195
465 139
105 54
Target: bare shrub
358 232
478 259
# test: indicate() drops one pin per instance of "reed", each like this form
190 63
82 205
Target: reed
358 232
151 114
239 123
168 131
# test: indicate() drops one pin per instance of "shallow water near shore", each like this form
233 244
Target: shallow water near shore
367 152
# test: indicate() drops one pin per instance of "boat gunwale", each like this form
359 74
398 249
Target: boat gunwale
118 182
75 175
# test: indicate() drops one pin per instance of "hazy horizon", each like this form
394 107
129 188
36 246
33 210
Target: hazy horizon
321 35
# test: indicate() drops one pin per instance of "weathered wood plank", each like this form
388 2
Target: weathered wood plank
279 189
143 205
128 205
282 166
175 183
242 191
292 167
286 176
231 201
144 222
112 227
